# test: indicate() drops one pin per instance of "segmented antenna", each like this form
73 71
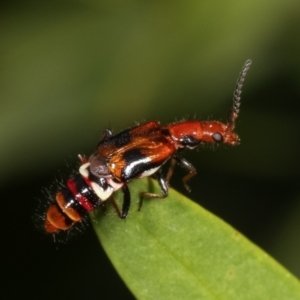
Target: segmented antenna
234 112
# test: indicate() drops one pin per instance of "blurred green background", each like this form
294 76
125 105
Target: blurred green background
69 69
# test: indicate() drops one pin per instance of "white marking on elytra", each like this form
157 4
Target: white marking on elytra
149 172
112 185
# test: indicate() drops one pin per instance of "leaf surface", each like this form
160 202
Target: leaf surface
175 249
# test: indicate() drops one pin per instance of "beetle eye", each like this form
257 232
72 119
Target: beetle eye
217 137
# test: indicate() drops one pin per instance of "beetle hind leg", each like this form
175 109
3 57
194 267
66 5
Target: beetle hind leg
126 203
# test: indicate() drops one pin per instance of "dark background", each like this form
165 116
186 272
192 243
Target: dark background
68 69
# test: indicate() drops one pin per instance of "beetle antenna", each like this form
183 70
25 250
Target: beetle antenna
234 112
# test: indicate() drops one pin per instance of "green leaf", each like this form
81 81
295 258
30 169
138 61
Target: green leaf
174 249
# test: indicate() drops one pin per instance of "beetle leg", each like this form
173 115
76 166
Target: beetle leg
164 189
115 205
189 167
126 202
171 169
106 133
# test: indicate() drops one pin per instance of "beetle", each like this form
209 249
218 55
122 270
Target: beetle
136 152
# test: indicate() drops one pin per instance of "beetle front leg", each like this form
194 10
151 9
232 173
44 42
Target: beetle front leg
164 189
189 167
